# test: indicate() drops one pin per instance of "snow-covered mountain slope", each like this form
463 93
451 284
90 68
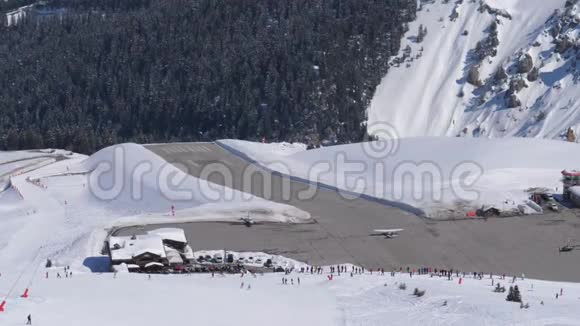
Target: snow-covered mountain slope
489 68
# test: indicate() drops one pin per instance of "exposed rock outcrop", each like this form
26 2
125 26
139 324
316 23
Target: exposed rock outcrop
525 63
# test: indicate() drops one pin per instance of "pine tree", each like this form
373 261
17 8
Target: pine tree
514 294
421 33
517 297
510 296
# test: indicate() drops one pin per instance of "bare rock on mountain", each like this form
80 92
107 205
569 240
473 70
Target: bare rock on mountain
533 74
570 135
525 64
500 74
473 76
563 44
516 85
556 29
513 101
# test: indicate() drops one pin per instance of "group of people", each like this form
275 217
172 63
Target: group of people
338 269
285 281
67 273
313 269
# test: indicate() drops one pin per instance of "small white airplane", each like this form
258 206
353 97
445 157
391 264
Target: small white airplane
388 233
248 221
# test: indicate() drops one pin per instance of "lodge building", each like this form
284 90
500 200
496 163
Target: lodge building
157 249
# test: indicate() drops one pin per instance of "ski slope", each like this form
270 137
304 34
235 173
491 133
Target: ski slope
134 299
426 91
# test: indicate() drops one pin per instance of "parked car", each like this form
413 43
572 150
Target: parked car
179 268
547 196
553 207
230 259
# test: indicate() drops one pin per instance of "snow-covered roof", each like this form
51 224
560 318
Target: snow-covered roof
188 252
173 234
153 264
487 207
125 248
571 173
173 256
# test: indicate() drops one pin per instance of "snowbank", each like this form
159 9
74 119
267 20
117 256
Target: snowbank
127 174
255 149
499 171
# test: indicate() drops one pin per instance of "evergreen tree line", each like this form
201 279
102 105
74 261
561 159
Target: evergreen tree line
8 5
110 71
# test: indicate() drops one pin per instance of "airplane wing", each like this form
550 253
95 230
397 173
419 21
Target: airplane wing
383 231
247 220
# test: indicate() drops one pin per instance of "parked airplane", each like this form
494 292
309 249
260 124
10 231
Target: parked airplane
569 246
388 233
566 248
248 221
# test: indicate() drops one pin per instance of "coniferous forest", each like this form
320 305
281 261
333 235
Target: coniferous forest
84 74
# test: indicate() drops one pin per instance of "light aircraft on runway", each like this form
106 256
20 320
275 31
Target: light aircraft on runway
388 233
568 247
248 221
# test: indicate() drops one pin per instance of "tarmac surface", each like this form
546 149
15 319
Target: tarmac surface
340 232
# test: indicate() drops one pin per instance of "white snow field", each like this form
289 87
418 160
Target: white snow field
499 171
133 299
425 93
56 211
